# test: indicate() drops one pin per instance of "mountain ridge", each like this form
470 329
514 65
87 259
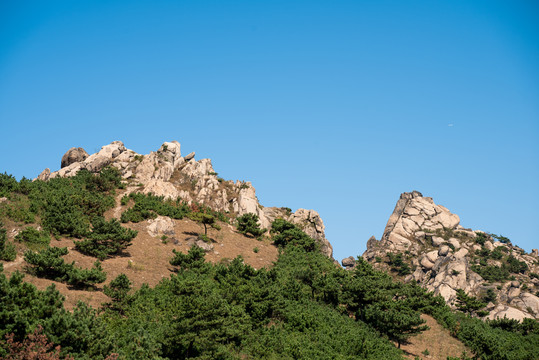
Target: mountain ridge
167 173
415 229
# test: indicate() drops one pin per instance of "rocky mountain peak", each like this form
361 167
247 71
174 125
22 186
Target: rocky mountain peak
424 242
167 173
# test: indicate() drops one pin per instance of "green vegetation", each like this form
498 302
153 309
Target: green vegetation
469 304
206 220
480 238
248 224
29 235
510 265
285 234
303 307
487 340
490 296
501 239
65 206
49 264
106 238
7 249
397 264
148 206
491 273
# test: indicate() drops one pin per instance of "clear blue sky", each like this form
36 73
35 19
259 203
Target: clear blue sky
337 106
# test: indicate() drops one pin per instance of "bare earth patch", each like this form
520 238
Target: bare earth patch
437 342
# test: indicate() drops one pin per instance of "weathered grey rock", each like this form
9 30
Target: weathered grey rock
166 173
311 223
530 302
45 174
461 254
161 226
513 292
455 243
372 243
98 163
535 252
446 219
426 263
509 312
441 270
189 156
444 250
349 262
73 155
159 187
437 241
515 284
418 275
207 247
432 256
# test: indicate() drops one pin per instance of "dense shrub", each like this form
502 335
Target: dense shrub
7 249
397 264
118 288
515 266
80 277
192 260
499 273
469 304
49 264
502 239
35 347
22 305
491 272
286 233
248 224
480 238
106 238
29 235
65 205
148 206
496 254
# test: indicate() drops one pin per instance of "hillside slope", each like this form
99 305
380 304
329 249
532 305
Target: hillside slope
167 173
174 264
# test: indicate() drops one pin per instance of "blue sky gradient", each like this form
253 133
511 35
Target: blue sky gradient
336 106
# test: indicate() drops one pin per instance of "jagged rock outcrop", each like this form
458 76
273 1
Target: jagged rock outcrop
442 255
166 173
161 226
73 155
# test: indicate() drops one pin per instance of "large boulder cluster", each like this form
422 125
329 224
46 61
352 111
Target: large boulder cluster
167 173
441 252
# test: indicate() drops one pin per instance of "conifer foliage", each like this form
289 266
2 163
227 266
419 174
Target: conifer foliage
49 264
7 249
106 238
248 224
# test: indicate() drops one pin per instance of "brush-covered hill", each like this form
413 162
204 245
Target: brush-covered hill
130 256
